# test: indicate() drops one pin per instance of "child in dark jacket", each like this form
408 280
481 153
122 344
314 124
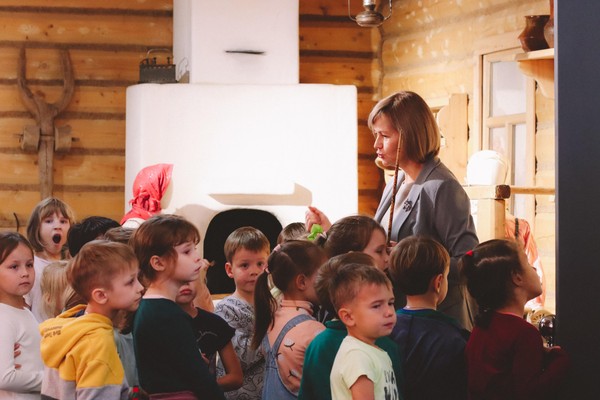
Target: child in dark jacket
431 343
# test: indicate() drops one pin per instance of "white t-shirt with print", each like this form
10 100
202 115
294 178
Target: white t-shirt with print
356 358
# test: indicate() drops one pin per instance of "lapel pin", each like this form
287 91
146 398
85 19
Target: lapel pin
407 206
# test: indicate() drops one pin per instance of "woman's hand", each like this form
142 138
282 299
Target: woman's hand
315 216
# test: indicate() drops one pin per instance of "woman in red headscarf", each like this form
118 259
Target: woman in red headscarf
148 189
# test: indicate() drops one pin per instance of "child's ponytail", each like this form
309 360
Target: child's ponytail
264 308
488 270
287 261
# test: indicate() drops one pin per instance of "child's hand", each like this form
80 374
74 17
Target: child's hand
553 350
205 264
315 216
206 360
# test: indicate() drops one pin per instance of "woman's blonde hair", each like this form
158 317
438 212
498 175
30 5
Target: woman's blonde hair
55 288
410 115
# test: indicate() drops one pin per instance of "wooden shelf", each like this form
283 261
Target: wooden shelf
546 54
539 65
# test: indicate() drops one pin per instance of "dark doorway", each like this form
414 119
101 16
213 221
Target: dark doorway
217 232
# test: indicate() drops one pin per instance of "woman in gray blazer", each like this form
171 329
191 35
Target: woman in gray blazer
429 200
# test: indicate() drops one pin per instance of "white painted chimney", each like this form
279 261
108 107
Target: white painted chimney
236 41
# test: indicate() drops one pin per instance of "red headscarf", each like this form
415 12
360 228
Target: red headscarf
148 189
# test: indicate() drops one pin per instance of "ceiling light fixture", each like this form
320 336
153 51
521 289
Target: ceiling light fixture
369 18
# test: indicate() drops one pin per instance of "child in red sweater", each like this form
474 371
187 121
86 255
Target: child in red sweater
506 358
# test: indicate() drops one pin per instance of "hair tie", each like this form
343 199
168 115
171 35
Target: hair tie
469 253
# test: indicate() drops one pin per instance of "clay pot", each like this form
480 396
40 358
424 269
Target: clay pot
532 37
549 27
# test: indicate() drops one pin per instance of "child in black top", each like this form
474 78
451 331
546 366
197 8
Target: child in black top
213 335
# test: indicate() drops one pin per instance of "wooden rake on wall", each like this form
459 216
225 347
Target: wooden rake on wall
45 137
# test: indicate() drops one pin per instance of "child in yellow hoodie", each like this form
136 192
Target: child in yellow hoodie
78 347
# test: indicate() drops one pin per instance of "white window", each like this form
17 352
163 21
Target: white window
507 123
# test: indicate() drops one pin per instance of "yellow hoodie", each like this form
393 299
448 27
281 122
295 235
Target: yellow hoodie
80 357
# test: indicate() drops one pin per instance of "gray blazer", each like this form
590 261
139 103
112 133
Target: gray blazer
437 206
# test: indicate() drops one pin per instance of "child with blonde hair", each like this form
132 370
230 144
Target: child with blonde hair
17 324
168 361
506 357
119 234
47 231
285 329
292 231
55 288
78 347
362 296
246 251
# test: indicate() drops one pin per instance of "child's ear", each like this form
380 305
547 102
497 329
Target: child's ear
157 263
436 283
229 269
517 278
99 296
346 317
301 282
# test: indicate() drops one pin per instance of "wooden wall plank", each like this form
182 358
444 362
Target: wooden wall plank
85 204
97 134
368 202
79 169
107 204
89 134
89 65
366 101
413 15
84 29
344 38
430 84
85 98
125 6
369 177
350 72
365 142
329 7
69 169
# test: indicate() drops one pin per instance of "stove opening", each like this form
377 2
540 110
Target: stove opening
220 228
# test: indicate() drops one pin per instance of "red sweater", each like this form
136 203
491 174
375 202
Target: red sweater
507 360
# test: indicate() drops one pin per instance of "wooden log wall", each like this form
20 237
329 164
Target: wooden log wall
432 47
106 41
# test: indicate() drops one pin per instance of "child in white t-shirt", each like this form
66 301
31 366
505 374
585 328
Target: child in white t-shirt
363 298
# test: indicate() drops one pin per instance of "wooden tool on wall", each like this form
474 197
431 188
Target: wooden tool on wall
45 137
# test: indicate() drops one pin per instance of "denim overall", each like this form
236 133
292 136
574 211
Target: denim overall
273 388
